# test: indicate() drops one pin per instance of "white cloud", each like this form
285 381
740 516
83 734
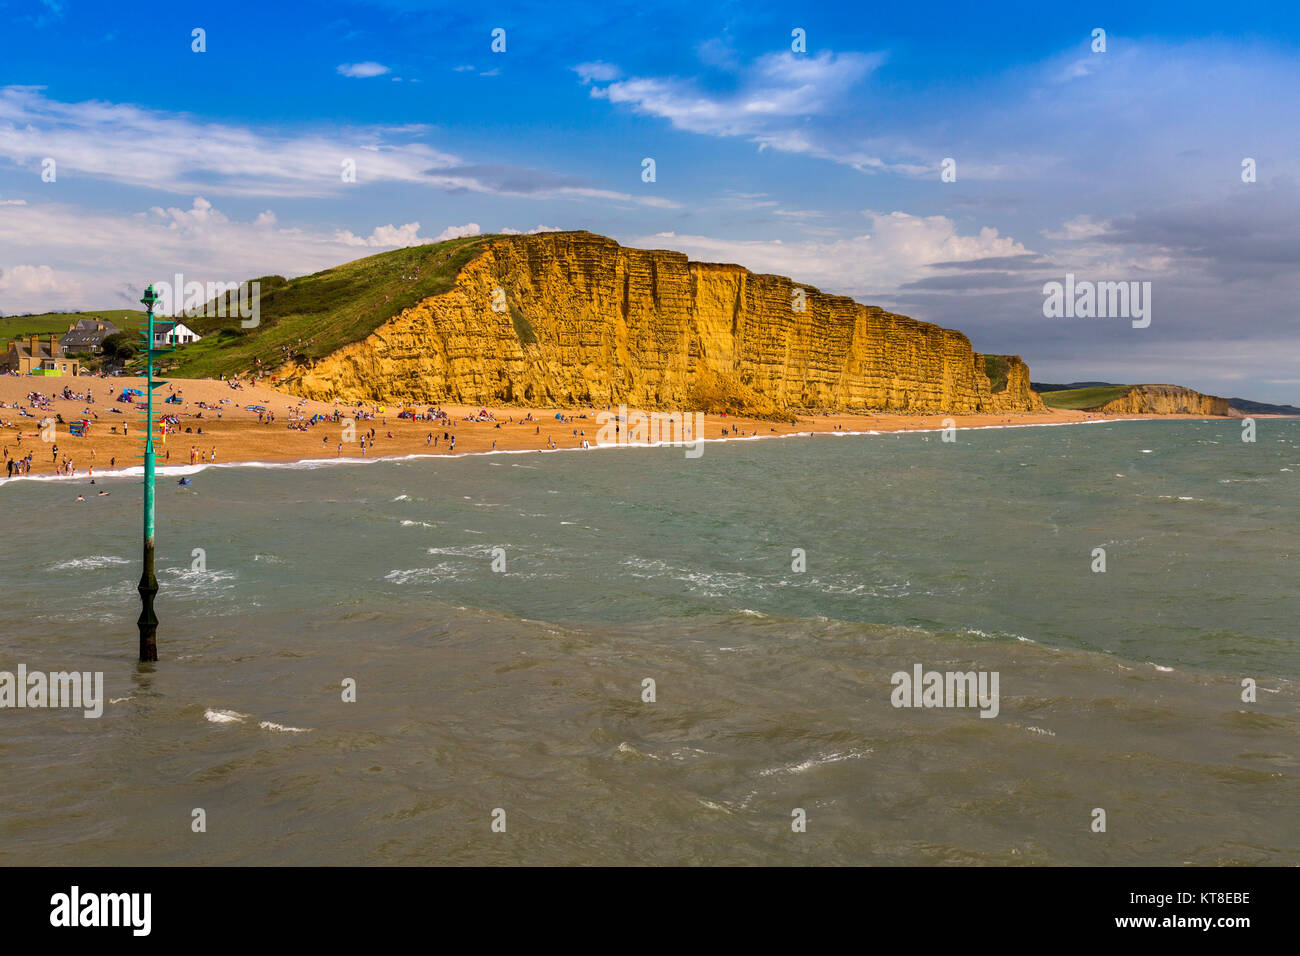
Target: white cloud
363 70
26 280
1080 227
176 153
597 71
532 232
899 249
778 86
96 260
775 96
458 232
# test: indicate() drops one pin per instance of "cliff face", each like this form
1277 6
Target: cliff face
1165 400
582 319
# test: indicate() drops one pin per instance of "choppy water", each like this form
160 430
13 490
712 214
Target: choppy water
522 690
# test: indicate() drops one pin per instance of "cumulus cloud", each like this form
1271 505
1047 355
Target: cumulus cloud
899 249
95 260
24 280
531 232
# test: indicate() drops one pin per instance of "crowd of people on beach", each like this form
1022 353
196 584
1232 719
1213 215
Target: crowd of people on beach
300 417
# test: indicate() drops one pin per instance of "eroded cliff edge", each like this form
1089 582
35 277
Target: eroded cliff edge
1165 400
585 320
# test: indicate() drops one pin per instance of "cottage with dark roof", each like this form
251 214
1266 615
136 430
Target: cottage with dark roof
87 335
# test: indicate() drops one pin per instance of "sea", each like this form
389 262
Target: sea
632 656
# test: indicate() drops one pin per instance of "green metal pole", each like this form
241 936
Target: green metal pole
148 622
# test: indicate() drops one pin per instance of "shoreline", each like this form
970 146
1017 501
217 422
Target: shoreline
224 431
169 470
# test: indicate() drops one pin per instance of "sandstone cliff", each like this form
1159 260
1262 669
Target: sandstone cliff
581 319
1165 400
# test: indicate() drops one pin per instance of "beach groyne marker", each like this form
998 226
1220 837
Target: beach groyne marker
148 587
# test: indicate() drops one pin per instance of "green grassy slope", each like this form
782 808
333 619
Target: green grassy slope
316 315
995 367
1080 398
15 326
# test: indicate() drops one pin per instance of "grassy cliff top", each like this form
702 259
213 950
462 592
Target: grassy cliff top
313 316
14 326
1084 398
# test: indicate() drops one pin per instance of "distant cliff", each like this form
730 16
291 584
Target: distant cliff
1164 400
579 319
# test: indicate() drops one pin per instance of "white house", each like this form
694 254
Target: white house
167 332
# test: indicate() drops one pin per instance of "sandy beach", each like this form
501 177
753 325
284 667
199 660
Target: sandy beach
215 422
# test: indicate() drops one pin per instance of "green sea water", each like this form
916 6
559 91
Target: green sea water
520 688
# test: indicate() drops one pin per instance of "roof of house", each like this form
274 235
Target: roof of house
84 333
164 326
42 350
92 324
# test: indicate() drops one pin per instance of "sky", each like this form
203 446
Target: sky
945 161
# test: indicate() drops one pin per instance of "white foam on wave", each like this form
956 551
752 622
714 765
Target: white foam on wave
91 563
820 760
223 716
271 725
439 572
627 748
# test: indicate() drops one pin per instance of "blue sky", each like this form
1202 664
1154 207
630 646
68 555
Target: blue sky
822 164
